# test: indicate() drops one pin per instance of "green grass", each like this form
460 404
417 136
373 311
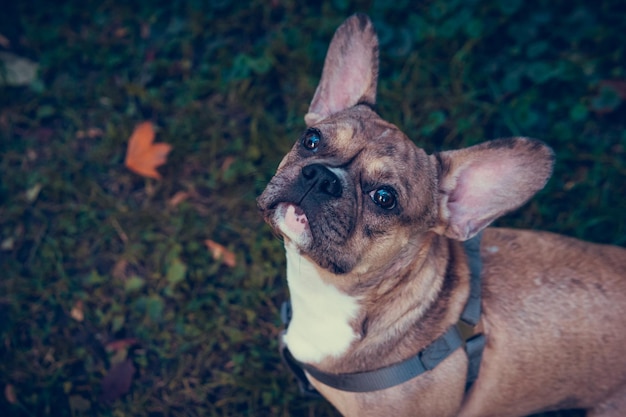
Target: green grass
230 81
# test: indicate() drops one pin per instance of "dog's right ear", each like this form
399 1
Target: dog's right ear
350 70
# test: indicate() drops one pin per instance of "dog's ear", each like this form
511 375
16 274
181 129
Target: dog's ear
350 70
480 183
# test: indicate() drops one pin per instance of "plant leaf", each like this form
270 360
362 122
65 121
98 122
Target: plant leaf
134 283
176 271
155 307
143 156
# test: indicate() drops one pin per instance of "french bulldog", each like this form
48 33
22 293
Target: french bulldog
373 229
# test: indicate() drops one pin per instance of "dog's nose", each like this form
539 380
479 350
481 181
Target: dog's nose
322 180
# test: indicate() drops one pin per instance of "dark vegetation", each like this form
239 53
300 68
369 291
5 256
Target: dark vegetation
110 302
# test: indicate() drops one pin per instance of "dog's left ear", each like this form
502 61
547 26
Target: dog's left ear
480 183
350 70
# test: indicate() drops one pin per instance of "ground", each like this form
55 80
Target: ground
112 302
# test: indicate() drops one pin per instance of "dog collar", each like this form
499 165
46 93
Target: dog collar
423 361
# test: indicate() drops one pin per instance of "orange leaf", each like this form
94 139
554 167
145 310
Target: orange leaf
143 156
220 253
178 198
116 345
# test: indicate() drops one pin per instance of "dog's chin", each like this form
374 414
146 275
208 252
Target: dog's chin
292 223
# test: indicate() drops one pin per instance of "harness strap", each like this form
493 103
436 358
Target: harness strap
423 361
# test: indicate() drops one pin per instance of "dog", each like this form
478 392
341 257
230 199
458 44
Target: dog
375 233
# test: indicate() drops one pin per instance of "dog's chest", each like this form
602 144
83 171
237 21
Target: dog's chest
322 315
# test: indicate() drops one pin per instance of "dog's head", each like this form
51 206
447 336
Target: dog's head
354 190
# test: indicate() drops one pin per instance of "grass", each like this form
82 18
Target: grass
100 268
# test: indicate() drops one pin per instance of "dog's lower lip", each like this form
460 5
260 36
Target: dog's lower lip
292 220
298 209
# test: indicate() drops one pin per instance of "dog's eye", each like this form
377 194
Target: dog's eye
384 197
311 139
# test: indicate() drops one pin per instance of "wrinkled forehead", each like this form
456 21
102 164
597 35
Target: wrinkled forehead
382 153
360 129
398 163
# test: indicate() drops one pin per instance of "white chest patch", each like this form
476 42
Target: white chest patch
320 325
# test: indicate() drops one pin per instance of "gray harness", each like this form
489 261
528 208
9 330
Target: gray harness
423 361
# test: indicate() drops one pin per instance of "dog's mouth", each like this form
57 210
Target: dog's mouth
291 220
295 218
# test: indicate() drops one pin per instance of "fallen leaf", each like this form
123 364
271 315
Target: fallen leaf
119 269
9 394
178 198
49 357
228 161
220 253
143 156
116 345
120 32
117 381
33 192
91 133
77 312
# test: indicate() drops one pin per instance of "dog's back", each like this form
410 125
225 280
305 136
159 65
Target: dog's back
556 294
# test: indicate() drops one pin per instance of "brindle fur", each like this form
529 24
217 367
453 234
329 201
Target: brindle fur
554 308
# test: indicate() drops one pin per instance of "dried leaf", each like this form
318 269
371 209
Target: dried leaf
120 32
119 269
220 253
33 192
117 381
116 345
178 198
77 312
9 394
91 133
228 162
143 156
